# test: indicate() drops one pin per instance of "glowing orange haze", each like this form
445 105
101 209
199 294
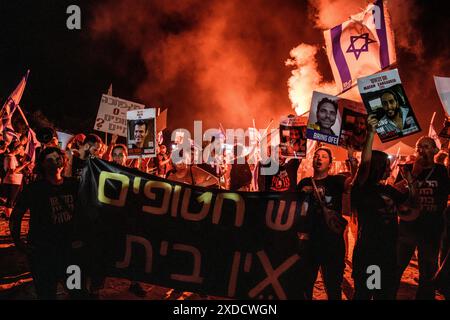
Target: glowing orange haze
224 61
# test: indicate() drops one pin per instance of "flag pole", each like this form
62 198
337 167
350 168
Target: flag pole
23 116
431 123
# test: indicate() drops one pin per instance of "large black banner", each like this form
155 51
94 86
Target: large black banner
239 245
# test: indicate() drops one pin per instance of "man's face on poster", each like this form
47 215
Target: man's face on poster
294 134
326 115
139 133
360 126
390 104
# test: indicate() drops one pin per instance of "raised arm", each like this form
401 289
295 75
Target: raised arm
107 155
366 156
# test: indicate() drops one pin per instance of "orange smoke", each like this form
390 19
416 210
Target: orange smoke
306 78
216 61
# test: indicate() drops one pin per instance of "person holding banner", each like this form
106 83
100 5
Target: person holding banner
51 201
119 154
77 160
323 194
377 206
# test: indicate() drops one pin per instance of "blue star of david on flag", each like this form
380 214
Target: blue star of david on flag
364 48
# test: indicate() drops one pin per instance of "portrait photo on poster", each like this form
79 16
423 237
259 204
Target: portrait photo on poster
383 96
141 133
293 136
354 129
324 123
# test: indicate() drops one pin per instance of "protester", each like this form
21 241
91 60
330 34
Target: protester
240 173
163 162
323 193
377 208
51 201
424 233
285 176
119 156
78 160
12 182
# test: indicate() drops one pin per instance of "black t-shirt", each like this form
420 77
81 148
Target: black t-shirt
377 208
77 167
331 188
51 211
284 180
240 176
434 188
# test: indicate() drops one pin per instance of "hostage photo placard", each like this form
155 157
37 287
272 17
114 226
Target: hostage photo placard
141 138
354 125
383 95
293 136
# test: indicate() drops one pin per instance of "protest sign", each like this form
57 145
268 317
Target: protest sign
354 125
112 115
293 136
383 95
443 89
141 137
63 139
324 123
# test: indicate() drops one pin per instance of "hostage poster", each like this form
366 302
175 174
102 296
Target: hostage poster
324 123
354 125
141 138
293 136
383 95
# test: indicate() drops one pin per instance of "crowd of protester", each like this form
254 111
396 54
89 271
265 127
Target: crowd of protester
393 221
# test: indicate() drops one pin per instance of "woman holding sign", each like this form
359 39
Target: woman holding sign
377 204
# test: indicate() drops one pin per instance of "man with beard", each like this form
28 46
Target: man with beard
322 195
51 201
396 118
424 233
77 160
326 115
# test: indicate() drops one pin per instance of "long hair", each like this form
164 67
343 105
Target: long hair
378 167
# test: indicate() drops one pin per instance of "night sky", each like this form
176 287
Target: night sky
146 49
